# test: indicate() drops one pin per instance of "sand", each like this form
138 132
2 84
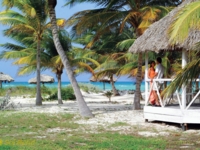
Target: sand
119 110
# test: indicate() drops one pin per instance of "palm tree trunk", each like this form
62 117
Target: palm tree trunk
83 108
197 86
38 94
136 103
115 93
59 89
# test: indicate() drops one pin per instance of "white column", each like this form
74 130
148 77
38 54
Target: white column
146 77
184 62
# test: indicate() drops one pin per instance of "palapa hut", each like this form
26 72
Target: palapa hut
5 78
43 79
156 38
104 79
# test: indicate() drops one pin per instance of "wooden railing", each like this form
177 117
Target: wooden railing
162 101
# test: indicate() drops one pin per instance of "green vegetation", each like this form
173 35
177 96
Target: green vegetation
35 131
106 33
116 124
23 91
67 93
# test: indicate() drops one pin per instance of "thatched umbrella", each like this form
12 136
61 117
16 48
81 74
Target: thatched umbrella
5 78
43 79
102 79
156 37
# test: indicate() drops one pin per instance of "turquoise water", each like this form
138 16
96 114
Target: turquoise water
119 85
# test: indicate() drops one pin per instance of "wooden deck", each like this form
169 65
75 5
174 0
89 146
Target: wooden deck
173 113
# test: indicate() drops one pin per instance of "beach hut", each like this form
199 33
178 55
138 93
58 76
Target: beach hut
5 78
104 79
156 38
43 79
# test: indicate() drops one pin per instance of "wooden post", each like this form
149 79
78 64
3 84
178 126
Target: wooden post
146 77
184 62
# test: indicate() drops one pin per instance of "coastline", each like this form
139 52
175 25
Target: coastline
120 85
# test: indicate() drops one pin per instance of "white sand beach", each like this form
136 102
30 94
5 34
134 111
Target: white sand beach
119 110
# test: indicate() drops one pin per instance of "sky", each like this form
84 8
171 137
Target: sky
7 67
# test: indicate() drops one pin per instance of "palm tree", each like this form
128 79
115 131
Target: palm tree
24 54
107 47
31 18
83 108
117 15
31 23
52 60
110 48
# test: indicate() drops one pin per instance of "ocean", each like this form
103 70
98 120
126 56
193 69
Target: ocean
120 85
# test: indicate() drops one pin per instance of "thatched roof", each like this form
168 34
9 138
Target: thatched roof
43 79
5 77
102 79
156 38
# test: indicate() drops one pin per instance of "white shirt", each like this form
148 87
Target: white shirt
160 71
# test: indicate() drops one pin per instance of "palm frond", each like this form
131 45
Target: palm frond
187 18
186 76
125 44
26 69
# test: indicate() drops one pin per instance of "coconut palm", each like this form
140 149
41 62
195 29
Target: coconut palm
83 108
116 15
31 18
24 54
81 61
107 47
52 60
138 15
30 22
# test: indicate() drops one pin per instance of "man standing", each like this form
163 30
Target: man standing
159 73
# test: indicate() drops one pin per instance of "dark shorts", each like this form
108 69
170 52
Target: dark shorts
159 85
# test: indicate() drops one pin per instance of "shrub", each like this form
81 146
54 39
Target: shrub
19 91
67 93
2 92
108 94
45 92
